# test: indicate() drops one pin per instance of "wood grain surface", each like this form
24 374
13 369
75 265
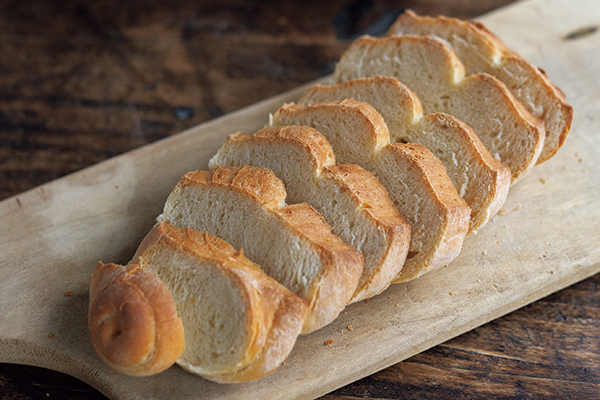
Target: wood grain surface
81 83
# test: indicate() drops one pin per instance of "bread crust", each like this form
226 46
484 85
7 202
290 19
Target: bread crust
485 52
452 219
273 315
341 264
454 93
133 321
407 124
453 211
366 192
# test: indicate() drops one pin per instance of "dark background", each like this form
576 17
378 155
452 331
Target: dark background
81 82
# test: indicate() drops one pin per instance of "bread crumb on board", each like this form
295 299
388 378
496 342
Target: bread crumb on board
51 336
502 211
328 342
68 293
543 180
350 328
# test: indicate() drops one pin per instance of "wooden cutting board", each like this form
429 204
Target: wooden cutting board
547 238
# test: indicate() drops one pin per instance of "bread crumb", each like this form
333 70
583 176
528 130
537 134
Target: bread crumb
396 304
116 186
340 330
502 211
328 342
484 252
68 292
350 328
389 297
51 336
581 160
544 255
366 301
552 272
543 180
518 207
451 293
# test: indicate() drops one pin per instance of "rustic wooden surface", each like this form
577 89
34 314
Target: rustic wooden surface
80 83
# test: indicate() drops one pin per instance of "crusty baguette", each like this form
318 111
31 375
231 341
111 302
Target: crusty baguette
481 51
432 70
481 180
293 244
133 321
415 179
349 198
240 324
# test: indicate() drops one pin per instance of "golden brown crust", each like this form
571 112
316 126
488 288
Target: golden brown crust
499 175
500 58
452 220
259 183
336 257
273 315
379 136
365 191
404 116
341 260
449 77
453 210
133 321
311 141
373 198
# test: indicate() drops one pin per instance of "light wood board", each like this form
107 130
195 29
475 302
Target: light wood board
549 238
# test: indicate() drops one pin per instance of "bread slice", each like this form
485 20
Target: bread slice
246 207
481 51
350 199
415 179
133 321
432 70
240 324
481 180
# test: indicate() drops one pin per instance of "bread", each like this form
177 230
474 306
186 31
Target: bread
435 74
481 180
133 321
416 180
481 51
246 207
240 324
350 199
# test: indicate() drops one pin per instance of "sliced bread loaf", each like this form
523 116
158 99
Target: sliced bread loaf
481 51
240 324
133 321
481 180
293 244
350 199
432 70
415 179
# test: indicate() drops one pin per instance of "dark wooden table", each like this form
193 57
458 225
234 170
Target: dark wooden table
81 82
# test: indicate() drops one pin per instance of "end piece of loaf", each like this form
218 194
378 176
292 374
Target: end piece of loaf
481 180
351 200
240 324
481 51
133 321
432 70
415 179
293 244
